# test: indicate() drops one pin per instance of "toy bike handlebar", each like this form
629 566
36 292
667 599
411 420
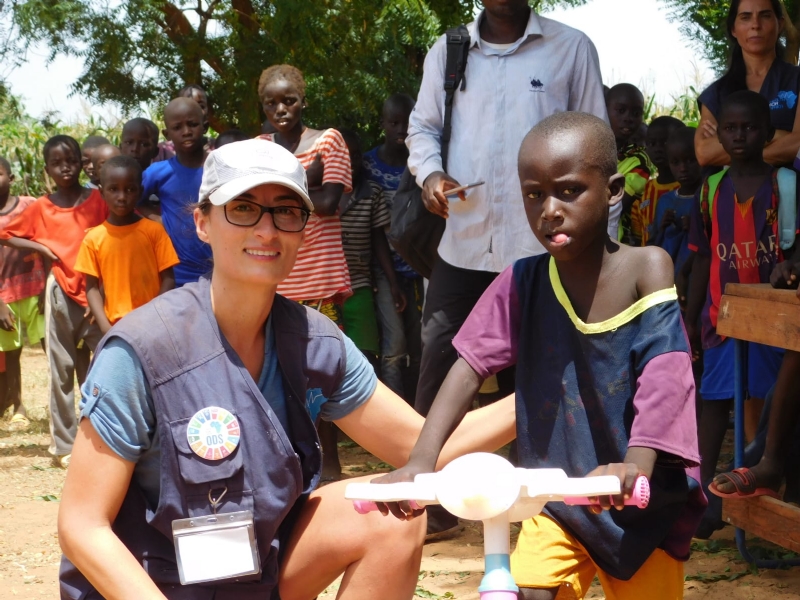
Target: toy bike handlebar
639 498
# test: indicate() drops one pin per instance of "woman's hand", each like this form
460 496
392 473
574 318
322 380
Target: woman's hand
708 129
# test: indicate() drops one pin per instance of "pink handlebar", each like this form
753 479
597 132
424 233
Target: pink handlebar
640 497
367 506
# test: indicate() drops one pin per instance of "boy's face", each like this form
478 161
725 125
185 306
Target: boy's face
504 8
655 143
625 110
63 166
184 126
742 133
283 105
137 141
202 100
683 164
566 198
121 189
5 183
394 122
101 156
86 163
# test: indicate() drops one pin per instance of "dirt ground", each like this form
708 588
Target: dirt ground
30 488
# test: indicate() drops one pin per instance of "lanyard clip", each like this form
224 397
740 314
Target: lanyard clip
215 502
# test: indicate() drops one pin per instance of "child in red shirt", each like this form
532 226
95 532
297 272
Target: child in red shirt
54 226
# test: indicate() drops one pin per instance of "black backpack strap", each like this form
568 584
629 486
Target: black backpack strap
458 43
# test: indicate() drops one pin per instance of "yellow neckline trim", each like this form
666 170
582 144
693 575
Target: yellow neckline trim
627 315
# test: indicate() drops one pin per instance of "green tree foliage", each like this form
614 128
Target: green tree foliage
703 22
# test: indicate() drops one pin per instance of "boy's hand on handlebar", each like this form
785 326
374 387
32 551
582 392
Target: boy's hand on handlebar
627 473
403 510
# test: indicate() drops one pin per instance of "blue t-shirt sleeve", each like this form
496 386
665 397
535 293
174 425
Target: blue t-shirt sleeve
357 386
116 399
149 182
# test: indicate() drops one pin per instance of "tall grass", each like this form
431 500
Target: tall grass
22 138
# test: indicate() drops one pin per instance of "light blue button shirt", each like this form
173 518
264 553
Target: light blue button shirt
552 68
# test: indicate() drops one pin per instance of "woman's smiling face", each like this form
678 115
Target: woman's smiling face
259 254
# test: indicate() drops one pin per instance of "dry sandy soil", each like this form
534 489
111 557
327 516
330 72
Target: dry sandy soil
29 554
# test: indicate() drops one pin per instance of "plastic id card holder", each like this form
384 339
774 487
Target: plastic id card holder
214 547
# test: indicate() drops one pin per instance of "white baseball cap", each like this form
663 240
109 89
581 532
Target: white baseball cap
240 166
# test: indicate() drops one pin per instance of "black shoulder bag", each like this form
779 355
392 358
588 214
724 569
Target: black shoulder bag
415 232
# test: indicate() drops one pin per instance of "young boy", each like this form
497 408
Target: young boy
644 210
401 344
670 229
735 237
87 154
101 155
625 105
176 183
604 378
22 277
54 226
139 139
131 257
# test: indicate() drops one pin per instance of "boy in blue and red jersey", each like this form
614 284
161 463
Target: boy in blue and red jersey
734 234
604 382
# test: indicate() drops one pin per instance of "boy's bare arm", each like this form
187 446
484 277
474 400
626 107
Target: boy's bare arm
698 291
150 211
23 244
167 280
326 198
380 245
95 300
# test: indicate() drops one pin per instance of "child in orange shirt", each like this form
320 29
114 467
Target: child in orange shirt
132 257
54 226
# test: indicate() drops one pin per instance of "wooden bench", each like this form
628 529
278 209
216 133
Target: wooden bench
759 313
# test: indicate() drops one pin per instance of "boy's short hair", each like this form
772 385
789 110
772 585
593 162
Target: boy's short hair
229 136
142 122
750 100
5 165
401 101
623 88
291 74
665 122
122 161
62 140
186 91
93 141
601 152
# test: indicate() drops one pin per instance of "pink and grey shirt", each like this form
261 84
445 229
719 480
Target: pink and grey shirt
588 391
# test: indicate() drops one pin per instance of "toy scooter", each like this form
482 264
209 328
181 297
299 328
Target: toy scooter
486 487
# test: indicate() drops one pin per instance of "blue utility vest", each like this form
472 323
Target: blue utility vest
190 366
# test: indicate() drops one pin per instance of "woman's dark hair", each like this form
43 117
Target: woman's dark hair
62 140
735 77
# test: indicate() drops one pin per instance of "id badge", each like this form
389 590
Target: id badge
214 547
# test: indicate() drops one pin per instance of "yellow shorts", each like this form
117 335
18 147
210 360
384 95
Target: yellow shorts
548 557
26 312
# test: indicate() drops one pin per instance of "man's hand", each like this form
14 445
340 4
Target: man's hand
399 299
315 171
434 190
7 320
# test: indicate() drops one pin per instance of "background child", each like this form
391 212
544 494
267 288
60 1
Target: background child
22 277
100 155
625 105
131 257
644 210
230 136
734 235
670 229
54 226
604 385
401 343
176 183
87 152
364 215
139 139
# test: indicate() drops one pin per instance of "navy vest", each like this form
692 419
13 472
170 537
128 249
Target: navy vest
189 366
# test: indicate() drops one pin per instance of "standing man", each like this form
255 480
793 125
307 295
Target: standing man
521 69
